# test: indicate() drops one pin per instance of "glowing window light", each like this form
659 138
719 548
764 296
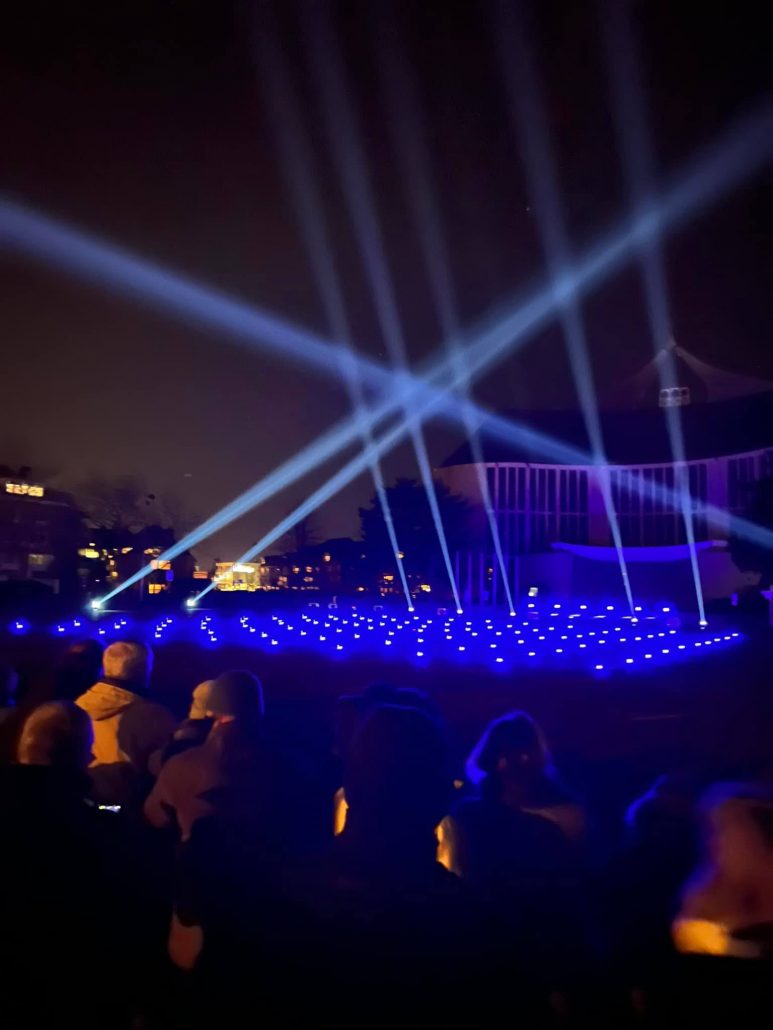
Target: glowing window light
24 490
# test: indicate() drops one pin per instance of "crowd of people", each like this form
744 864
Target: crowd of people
159 873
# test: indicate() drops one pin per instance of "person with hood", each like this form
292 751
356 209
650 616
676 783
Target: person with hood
128 727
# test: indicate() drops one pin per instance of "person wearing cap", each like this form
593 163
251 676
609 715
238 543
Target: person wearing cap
220 773
192 732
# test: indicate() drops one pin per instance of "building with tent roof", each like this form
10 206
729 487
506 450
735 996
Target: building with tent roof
552 520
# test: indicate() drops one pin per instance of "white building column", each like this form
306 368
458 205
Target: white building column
598 523
717 495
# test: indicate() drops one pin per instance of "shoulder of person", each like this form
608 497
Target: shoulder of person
185 760
150 705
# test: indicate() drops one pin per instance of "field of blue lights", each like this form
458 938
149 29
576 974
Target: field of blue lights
597 639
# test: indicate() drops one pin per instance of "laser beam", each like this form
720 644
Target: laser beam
627 94
338 116
727 161
415 171
525 94
297 161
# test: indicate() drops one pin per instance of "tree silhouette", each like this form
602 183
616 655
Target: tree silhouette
124 504
303 534
415 528
748 555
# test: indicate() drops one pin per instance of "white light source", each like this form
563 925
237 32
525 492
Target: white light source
191 602
96 604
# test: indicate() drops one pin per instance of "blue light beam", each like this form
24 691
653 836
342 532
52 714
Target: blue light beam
527 109
627 94
723 164
297 162
327 64
416 173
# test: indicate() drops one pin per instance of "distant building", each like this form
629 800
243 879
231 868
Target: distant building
334 566
331 567
557 511
243 576
39 534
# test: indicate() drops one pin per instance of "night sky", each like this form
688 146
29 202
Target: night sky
145 123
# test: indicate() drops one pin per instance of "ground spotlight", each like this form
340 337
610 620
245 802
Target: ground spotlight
96 604
191 602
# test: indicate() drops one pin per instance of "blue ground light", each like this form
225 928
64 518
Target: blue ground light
591 638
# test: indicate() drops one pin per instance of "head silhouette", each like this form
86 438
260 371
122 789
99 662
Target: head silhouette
128 663
57 733
236 696
511 748
397 774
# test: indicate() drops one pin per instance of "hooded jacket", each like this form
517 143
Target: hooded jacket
128 729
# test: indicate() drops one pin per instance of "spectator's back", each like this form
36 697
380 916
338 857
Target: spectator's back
128 727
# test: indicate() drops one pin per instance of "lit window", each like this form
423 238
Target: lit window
325 557
39 561
24 489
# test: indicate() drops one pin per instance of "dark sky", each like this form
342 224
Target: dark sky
144 123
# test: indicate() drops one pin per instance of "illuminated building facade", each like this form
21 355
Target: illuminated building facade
39 534
241 576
